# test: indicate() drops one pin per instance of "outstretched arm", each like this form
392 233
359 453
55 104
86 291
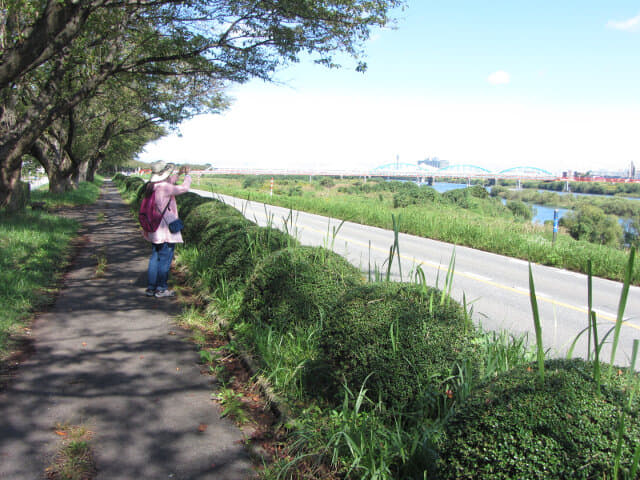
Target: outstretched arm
174 190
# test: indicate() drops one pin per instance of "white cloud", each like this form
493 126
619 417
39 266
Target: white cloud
629 25
499 78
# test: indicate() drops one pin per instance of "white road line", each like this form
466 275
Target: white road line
605 313
518 261
475 276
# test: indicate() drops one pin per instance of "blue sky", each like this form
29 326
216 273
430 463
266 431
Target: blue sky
549 84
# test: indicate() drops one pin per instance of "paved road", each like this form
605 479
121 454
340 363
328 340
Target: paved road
496 286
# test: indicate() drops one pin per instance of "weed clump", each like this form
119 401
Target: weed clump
517 427
297 286
403 339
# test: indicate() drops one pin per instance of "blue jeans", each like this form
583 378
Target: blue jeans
159 264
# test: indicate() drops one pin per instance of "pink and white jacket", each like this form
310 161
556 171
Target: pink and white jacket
166 191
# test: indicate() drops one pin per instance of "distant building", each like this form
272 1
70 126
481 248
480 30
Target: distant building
629 172
434 162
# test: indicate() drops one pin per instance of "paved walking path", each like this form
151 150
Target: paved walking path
110 358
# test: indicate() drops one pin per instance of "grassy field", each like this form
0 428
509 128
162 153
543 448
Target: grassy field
484 224
34 246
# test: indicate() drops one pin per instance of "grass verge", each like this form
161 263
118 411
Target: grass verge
35 246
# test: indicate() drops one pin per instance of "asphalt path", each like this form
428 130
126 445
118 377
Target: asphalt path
494 286
112 360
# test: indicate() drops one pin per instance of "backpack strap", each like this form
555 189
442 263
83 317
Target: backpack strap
165 208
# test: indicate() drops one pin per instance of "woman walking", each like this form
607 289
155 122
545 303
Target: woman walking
163 240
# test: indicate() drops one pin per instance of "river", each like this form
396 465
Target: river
542 213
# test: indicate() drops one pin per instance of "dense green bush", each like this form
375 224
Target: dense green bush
498 190
592 224
297 285
520 209
459 196
478 191
402 339
218 227
295 191
188 201
414 196
133 184
327 182
233 247
198 218
516 427
462 197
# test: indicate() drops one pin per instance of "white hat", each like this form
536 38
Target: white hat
160 171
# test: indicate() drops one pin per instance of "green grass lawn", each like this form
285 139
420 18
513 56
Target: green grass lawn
34 248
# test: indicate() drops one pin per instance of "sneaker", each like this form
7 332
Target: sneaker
165 293
149 293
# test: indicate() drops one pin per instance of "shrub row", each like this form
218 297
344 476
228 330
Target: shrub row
567 427
412 332
407 344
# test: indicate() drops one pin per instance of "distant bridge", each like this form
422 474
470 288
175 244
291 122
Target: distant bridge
422 173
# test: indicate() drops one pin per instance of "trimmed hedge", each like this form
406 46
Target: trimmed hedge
133 183
513 427
234 245
189 201
400 339
297 285
198 219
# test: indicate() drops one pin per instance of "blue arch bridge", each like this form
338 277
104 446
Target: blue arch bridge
399 170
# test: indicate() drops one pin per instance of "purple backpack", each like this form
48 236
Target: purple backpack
150 215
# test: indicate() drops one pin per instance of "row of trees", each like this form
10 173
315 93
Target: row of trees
83 82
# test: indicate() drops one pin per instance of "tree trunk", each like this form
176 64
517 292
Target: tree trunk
56 163
12 149
60 181
9 180
81 171
21 197
94 165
